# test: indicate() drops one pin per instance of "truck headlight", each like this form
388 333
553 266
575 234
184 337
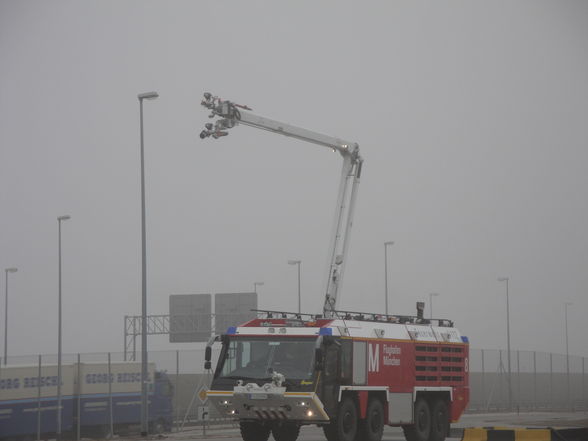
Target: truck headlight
309 413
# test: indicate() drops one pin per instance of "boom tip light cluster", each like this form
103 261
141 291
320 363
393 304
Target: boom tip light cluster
228 111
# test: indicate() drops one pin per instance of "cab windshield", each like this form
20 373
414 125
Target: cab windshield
258 358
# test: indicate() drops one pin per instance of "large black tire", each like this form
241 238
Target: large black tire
286 432
439 421
421 429
252 431
346 425
330 431
372 428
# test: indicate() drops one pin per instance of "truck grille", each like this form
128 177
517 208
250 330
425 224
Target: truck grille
439 364
271 415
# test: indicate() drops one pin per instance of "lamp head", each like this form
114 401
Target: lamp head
63 218
11 270
148 96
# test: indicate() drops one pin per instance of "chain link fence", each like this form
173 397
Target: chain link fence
538 381
535 381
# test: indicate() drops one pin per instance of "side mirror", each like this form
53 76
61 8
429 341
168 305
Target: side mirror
207 357
208 350
318 359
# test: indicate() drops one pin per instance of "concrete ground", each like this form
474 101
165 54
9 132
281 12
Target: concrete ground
313 433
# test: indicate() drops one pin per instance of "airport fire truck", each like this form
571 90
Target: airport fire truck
350 372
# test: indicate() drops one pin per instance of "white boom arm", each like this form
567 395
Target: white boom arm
232 114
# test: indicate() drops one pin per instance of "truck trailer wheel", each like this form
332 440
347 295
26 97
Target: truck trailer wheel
421 429
157 427
286 432
372 427
439 421
252 431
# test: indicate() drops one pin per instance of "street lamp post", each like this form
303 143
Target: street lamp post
505 279
431 295
144 408
255 285
59 220
297 262
6 271
566 304
386 274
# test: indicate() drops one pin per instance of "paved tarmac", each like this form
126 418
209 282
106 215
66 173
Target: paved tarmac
313 433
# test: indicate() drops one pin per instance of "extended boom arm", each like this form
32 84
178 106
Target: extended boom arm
232 114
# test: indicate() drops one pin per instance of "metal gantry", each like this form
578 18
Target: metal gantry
155 325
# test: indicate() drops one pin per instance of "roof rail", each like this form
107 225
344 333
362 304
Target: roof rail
389 318
355 315
285 314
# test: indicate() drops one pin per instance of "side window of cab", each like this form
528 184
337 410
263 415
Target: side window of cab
346 361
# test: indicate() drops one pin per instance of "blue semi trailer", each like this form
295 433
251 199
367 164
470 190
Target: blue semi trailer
92 398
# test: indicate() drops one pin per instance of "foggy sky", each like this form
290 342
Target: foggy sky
471 117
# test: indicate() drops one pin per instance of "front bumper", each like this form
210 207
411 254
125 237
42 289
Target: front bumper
252 402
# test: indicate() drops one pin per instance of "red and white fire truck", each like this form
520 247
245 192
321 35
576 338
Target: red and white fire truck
351 373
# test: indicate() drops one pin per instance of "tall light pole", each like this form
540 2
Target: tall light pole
505 279
386 273
59 220
431 295
144 379
6 271
255 285
297 262
566 304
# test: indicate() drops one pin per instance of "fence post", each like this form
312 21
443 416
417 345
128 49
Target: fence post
111 422
134 338
551 379
176 391
518 381
79 393
39 401
125 342
583 385
483 381
501 368
534 380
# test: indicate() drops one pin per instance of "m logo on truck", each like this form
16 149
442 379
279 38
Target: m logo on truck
373 358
